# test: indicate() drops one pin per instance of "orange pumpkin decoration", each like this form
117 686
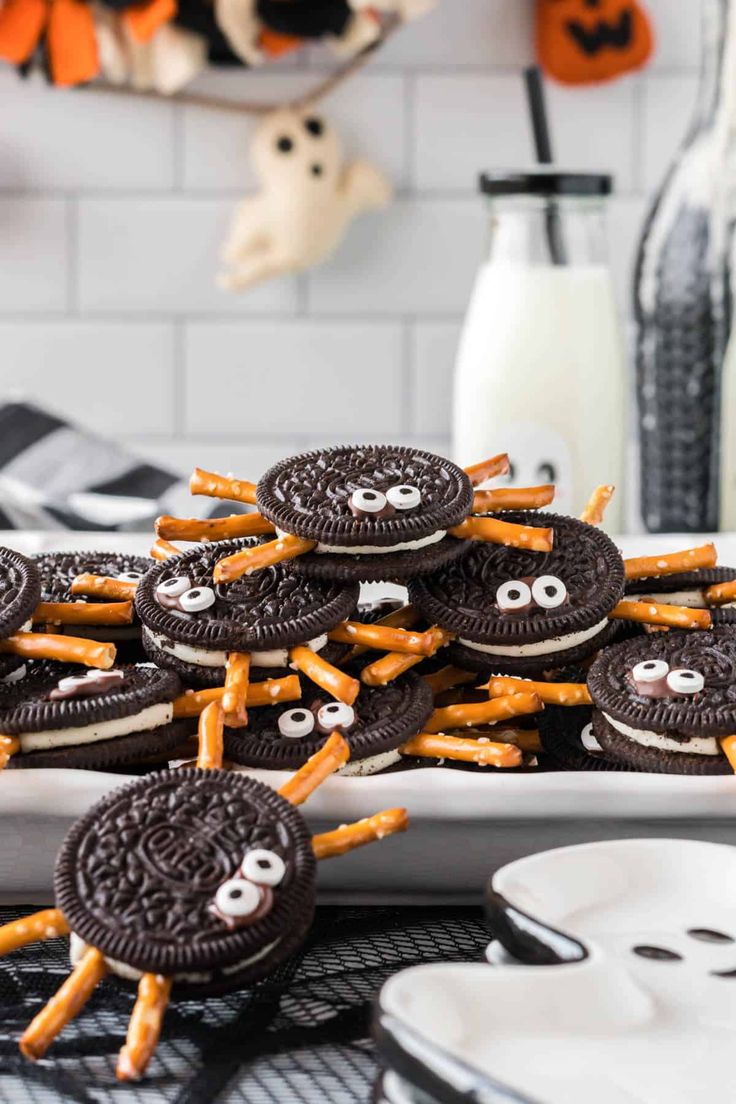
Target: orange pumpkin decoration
586 41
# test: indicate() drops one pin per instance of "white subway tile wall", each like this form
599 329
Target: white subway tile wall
112 212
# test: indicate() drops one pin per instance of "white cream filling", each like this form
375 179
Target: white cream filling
152 717
373 764
697 745
539 647
77 948
205 657
373 549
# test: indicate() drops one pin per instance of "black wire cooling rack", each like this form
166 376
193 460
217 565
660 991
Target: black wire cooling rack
302 1037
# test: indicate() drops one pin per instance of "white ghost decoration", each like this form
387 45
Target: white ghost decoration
308 198
614 981
165 63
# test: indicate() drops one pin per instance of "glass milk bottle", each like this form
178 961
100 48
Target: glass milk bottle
540 370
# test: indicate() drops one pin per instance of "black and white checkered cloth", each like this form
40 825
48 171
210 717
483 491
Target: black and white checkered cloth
56 476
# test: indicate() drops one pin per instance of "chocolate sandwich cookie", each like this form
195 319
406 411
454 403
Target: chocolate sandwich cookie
687 588
58 570
663 701
71 716
374 512
382 718
524 612
567 737
191 623
204 876
20 593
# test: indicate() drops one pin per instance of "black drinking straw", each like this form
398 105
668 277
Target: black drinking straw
543 148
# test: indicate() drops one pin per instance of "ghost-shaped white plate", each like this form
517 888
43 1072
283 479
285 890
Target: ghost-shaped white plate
614 982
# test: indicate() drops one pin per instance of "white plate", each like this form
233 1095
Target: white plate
463 823
606 1022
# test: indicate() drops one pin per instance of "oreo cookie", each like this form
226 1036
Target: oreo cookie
687 589
523 612
283 737
73 716
205 876
567 736
20 591
663 701
190 623
376 511
59 569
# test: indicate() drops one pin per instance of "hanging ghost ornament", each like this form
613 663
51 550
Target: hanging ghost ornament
308 197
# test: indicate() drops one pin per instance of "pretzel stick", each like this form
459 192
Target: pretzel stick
488 469
526 739
48 924
551 693
212 529
192 702
477 713
83 613
496 531
213 485
447 678
101 586
277 551
333 754
513 498
210 732
654 567
64 1005
596 506
728 747
9 746
653 613
235 696
163 550
67 649
482 751
349 836
144 1027
331 679
394 664
406 617
721 593
384 638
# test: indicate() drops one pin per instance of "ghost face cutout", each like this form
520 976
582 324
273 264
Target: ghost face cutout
539 454
615 966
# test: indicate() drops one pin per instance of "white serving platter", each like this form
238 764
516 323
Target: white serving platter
464 824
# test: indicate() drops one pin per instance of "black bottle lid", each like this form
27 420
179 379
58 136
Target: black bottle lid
545 182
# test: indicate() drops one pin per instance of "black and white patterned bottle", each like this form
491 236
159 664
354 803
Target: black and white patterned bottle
684 301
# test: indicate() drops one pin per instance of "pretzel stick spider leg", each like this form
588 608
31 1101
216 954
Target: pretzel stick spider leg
47 924
64 1005
480 750
495 531
102 586
656 567
513 498
231 568
488 469
347 837
210 732
67 649
235 696
596 506
9 746
728 747
394 664
192 702
83 613
213 485
212 529
551 693
144 1027
329 678
653 613
163 550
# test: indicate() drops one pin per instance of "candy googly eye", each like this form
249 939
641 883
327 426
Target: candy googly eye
237 898
130 577
513 595
197 599
367 501
588 740
685 681
296 723
263 867
651 670
174 588
71 683
335 715
549 592
404 496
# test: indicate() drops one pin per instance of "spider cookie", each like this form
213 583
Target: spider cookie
187 883
666 702
379 721
191 624
20 591
91 614
522 611
70 716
